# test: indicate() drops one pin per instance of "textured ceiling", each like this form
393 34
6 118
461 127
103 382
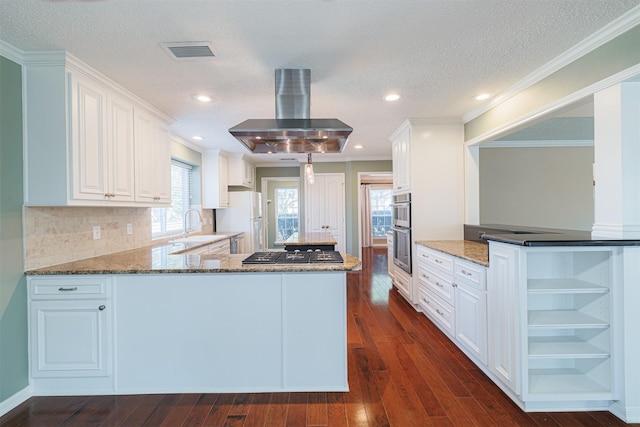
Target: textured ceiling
436 54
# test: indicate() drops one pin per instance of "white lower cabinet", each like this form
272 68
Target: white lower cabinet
451 292
551 324
402 281
70 331
504 315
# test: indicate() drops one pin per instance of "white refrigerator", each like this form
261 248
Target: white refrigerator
243 214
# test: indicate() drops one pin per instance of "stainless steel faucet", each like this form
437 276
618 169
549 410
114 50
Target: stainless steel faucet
185 232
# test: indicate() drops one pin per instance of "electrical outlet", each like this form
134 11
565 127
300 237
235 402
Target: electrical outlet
129 229
96 232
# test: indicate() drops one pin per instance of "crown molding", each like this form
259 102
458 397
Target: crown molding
597 39
539 144
544 111
12 53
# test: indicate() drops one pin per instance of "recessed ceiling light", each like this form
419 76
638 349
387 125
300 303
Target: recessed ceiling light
358 147
482 96
202 98
197 138
392 97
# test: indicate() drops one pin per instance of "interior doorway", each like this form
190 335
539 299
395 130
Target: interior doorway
281 209
374 201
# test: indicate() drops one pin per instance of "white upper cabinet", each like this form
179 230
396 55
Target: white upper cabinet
401 159
82 147
215 181
242 172
153 160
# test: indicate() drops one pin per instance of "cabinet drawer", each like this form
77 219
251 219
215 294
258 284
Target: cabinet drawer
435 259
470 273
441 284
402 282
81 287
437 311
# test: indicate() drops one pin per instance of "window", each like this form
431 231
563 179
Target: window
286 212
380 211
168 221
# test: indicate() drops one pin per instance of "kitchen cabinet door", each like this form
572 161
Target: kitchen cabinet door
471 320
120 166
503 319
70 339
215 179
241 172
88 139
401 161
325 207
152 160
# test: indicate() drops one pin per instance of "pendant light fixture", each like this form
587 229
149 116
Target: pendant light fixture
308 170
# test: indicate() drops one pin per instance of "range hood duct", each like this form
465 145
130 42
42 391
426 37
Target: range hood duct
292 131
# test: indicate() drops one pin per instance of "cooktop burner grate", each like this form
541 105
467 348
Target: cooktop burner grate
317 257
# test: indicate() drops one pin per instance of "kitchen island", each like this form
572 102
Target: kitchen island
152 321
310 241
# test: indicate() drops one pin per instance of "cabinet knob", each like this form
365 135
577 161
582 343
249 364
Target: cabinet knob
102 307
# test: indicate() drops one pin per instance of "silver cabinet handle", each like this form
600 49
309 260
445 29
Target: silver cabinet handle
438 261
102 307
75 288
438 284
465 272
439 312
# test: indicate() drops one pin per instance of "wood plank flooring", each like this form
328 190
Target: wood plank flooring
402 372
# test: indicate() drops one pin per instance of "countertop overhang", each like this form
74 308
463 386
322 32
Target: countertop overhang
540 236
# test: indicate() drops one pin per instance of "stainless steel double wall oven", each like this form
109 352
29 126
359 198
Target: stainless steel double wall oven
402 231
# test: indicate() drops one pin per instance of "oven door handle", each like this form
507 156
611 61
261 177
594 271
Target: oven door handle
401 230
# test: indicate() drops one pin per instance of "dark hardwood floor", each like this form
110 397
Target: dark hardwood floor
402 372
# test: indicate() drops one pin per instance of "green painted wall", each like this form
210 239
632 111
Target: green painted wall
13 293
610 58
350 170
277 172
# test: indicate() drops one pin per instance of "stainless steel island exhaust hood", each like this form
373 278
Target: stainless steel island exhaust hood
292 131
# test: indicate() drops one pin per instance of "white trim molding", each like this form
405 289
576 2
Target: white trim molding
15 400
597 39
539 144
11 53
616 231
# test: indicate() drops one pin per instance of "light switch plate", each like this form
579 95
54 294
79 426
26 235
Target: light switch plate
96 232
129 229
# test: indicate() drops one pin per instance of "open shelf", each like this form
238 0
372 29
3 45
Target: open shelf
564 347
564 381
564 319
564 286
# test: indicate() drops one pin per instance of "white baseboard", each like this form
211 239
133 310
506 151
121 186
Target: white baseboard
15 400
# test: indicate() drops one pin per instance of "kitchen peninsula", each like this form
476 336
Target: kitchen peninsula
151 320
546 318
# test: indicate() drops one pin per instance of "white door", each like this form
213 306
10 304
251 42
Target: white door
325 206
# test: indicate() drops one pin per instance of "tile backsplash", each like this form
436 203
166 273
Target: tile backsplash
55 235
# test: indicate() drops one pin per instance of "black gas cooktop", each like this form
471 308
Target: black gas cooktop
297 257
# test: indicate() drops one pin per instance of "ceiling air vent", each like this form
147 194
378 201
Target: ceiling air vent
189 51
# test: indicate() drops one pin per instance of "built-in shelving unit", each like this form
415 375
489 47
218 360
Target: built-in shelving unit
569 324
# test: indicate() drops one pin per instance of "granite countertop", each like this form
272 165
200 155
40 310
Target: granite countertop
180 246
162 258
314 238
540 237
465 249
